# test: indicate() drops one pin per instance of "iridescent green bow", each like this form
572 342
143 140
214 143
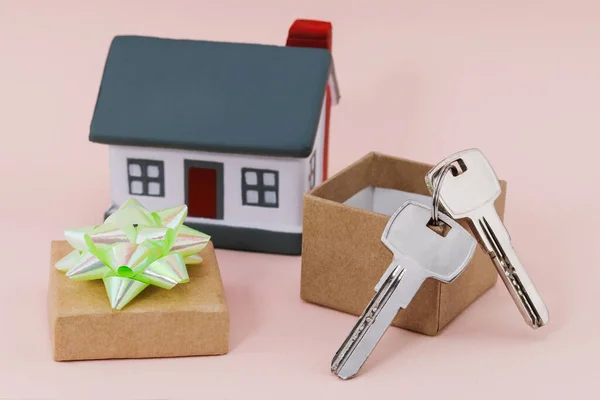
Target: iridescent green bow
134 248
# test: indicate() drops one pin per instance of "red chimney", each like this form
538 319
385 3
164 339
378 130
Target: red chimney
312 33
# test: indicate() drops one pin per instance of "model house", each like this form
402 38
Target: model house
237 132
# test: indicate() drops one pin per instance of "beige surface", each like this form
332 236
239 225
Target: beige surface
343 257
518 79
190 319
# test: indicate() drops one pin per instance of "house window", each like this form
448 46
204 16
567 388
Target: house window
260 187
312 176
146 177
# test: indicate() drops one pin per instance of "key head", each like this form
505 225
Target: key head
409 238
468 189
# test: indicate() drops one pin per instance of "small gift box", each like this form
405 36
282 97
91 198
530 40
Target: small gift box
342 254
140 285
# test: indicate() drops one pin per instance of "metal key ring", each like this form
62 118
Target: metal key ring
436 194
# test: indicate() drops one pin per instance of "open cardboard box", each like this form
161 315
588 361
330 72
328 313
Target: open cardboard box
342 254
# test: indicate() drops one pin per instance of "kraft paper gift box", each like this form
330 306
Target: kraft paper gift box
191 319
342 254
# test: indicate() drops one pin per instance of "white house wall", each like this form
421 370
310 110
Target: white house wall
292 177
319 147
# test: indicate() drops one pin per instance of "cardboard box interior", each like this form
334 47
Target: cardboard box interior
343 257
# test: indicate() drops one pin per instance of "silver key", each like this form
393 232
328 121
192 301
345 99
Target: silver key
470 192
419 253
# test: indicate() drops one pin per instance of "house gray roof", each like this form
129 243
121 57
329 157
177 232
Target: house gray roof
211 96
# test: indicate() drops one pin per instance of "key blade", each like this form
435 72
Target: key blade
363 325
495 239
474 185
401 284
419 253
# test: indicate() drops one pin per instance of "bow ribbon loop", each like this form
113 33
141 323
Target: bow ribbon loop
132 249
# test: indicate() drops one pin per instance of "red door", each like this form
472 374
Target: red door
204 189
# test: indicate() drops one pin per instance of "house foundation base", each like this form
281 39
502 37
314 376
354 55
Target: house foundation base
249 239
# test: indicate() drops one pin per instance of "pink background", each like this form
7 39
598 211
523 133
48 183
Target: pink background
517 79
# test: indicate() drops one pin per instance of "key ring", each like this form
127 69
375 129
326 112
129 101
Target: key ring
436 194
